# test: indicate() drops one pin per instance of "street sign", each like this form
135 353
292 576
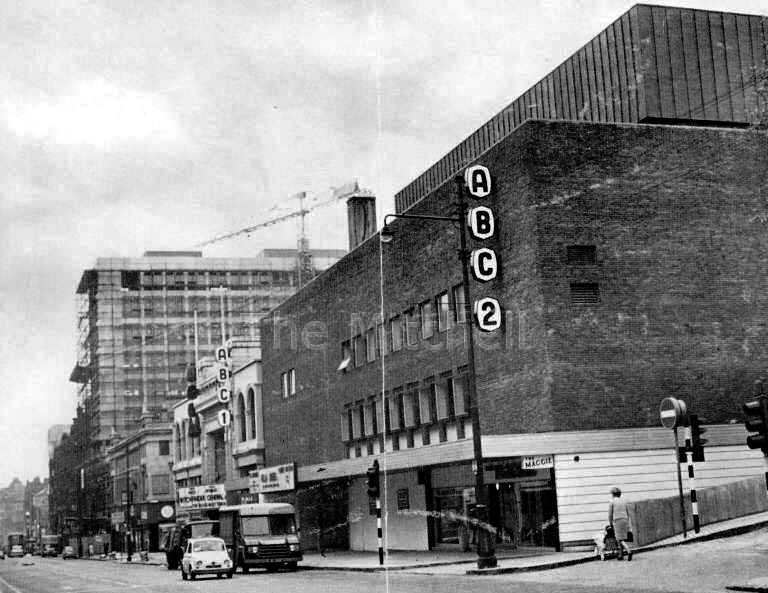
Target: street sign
481 222
673 412
478 180
483 264
224 395
487 314
225 417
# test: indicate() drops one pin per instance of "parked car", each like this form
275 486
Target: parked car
206 555
16 551
2 554
68 552
175 541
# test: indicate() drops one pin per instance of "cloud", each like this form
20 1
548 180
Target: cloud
94 113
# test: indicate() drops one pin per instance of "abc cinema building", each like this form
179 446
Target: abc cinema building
630 200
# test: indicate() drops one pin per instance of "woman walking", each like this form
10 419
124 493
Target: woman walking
618 518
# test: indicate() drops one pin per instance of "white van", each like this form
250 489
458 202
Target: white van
261 535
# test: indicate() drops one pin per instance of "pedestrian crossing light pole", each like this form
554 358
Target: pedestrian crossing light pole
374 491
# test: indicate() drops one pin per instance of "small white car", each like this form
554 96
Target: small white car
206 555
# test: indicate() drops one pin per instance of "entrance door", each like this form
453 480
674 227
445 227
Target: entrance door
538 510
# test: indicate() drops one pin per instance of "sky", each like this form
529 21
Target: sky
158 125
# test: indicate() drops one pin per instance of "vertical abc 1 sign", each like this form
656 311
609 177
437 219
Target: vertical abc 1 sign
483 262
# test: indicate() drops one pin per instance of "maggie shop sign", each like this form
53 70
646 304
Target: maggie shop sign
483 262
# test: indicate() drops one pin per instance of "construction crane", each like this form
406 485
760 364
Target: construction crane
304 262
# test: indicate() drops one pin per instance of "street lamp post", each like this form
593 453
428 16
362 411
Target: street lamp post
486 556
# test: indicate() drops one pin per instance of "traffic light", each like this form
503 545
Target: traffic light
757 421
193 428
373 480
697 443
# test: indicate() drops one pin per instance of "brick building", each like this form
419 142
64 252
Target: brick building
629 198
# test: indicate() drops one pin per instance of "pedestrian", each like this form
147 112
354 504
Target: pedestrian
618 518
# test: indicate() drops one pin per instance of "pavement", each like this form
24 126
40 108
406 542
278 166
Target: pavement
453 561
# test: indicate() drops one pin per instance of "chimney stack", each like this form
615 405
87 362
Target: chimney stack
361 217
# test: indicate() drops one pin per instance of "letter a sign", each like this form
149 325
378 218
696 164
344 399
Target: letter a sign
478 181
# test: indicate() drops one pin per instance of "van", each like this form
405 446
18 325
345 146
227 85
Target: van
178 535
261 535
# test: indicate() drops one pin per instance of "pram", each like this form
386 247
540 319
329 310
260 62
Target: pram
606 544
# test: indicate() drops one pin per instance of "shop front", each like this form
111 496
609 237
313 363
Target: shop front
522 503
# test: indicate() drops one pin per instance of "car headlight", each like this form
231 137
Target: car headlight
254 549
227 563
198 564
295 547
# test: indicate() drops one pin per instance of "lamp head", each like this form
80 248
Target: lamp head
386 234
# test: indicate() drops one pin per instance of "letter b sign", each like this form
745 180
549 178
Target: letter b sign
481 223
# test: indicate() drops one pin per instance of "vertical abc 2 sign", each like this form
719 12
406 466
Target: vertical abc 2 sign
482 261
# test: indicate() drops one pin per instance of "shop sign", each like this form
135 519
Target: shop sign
273 479
538 461
117 517
202 497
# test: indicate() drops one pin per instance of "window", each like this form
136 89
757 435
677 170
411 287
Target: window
369 419
346 425
461 395
346 356
426 405
427 319
396 331
370 345
412 326
585 293
410 409
382 339
395 411
443 311
356 422
444 398
459 312
288 382
164 447
359 347
580 255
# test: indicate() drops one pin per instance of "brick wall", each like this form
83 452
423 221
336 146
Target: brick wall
678 219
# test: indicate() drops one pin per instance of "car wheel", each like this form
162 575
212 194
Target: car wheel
219 575
292 566
183 574
230 573
192 574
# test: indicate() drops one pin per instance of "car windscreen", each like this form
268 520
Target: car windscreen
202 529
269 525
210 545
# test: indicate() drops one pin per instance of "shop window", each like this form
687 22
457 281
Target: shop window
443 311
